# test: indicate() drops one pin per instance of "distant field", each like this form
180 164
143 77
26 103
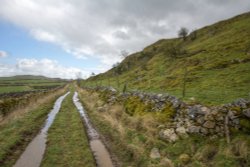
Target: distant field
8 89
28 83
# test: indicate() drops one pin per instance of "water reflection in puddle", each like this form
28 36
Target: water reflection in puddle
33 154
100 152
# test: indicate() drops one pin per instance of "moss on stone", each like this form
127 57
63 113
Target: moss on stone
245 124
134 105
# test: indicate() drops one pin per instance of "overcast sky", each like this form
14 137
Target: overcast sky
73 37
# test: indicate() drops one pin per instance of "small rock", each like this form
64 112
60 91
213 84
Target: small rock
200 120
179 124
214 137
236 121
209 124
217 129
169 135
154 154
232 114
193 129
247 112
188 123
192 98
208 117
112 89
241 103
204 110
204 131
181 131
159 95
166 162
219 118
184 158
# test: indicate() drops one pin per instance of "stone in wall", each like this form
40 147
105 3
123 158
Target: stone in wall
196 118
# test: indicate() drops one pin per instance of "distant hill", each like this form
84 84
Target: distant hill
28 77
213 62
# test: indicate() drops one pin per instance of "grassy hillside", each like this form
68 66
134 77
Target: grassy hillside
214 62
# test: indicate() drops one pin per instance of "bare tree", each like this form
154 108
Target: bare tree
78 77
124 53
183 32
115 65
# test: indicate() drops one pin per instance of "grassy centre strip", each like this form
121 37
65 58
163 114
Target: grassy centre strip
67 141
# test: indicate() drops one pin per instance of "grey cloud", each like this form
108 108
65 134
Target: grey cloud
95 28
121 35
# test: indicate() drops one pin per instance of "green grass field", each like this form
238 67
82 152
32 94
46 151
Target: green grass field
8 89
28 83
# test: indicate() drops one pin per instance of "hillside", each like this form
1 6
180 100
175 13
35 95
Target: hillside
213 62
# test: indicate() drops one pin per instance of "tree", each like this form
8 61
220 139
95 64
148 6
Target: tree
78 77
183 32
124 53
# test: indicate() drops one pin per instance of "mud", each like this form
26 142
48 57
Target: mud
33 154
101 155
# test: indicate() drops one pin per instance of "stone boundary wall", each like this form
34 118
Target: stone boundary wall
215 121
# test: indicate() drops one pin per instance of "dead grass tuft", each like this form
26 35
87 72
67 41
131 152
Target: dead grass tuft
240 150
207 153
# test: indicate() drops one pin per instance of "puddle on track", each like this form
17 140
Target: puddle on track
102 156
33 154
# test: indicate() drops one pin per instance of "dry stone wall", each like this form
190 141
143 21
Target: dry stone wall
213 121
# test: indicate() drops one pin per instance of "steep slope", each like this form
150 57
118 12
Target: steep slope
213 62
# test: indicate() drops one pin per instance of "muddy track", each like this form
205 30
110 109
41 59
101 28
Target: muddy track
101 154
33 154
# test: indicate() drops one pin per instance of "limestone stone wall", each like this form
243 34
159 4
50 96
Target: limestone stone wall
189 118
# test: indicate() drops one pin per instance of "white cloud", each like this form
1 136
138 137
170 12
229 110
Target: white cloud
44 36
3 54
102 28
45 67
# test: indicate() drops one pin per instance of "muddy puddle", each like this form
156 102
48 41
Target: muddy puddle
33 154
102 156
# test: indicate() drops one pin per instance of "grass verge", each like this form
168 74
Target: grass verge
131 138
125 137
67 141
16 134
